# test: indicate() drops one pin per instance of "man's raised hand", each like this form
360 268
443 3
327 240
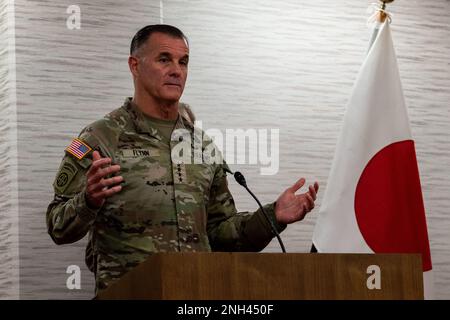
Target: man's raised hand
98 187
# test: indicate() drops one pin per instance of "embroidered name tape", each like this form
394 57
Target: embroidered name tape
134 153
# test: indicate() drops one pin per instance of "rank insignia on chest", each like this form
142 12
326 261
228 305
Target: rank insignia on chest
78 149
179 174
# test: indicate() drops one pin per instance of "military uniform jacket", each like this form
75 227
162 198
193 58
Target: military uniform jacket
163 206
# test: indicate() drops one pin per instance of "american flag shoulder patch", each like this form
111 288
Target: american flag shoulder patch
78 149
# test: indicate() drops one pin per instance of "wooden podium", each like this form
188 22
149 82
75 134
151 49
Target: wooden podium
271 276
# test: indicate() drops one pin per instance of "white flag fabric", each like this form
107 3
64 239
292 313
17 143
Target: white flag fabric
373 202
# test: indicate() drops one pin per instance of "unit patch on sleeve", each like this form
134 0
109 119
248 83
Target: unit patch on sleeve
65 176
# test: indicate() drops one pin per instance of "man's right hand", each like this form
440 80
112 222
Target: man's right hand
98 188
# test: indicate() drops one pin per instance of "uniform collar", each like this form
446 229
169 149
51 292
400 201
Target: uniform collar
142 126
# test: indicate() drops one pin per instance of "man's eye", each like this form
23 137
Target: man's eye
183 62
164 60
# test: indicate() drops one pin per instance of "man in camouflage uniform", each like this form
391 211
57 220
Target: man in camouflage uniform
120 180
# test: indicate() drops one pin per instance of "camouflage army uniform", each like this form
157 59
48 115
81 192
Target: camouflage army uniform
162 206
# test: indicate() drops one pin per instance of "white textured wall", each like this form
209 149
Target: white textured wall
254 64
9 246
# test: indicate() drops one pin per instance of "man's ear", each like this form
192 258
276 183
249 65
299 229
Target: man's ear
133 65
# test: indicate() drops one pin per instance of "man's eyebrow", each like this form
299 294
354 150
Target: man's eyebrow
168 54
164 54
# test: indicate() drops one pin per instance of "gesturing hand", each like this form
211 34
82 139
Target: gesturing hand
98 188
291 207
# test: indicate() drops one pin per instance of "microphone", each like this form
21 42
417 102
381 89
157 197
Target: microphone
239 177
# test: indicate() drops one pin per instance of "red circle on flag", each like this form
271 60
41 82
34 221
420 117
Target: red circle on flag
389 205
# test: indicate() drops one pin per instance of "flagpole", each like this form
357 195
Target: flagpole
380 19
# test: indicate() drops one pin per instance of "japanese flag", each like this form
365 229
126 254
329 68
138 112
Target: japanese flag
373 202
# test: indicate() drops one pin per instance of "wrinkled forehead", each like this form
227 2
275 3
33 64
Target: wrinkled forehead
160 42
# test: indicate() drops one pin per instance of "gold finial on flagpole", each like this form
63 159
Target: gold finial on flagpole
381 16
384 3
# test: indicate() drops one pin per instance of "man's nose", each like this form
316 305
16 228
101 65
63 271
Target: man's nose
175 70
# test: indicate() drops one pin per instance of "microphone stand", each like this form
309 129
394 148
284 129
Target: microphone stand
239 177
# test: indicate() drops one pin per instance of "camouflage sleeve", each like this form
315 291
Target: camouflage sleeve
68 217
229 230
